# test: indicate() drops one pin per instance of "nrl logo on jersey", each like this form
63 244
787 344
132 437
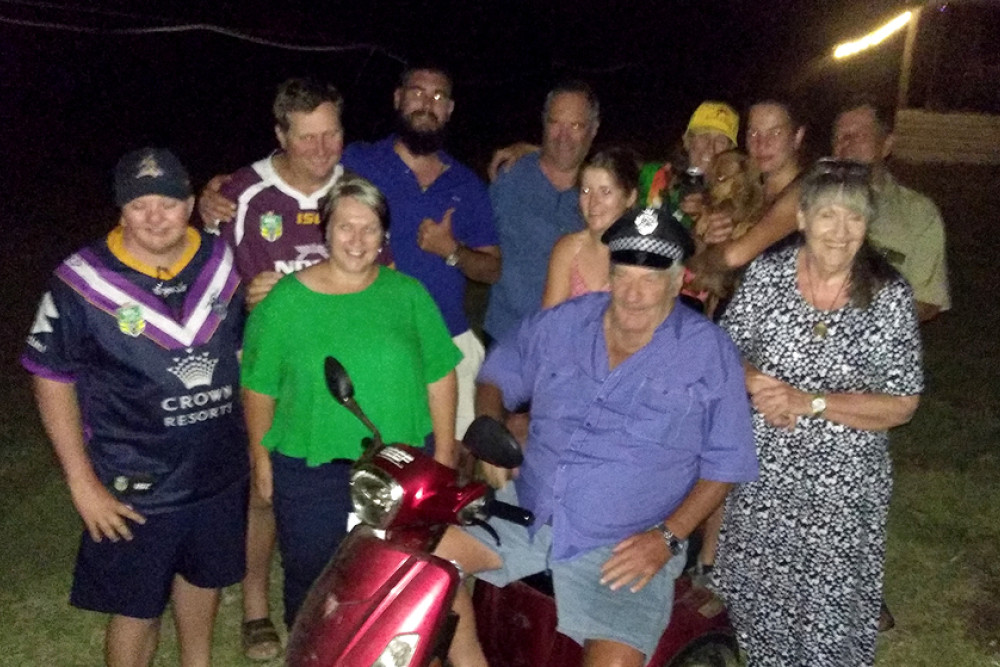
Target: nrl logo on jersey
194 370
270 226
130 319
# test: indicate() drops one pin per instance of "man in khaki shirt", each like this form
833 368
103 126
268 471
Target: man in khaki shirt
907 227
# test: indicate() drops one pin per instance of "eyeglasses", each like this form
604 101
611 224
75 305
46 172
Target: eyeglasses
831 166
772 133
418 93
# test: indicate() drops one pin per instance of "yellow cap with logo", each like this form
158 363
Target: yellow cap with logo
717 117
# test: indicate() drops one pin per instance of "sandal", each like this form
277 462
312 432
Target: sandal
260 640
886 621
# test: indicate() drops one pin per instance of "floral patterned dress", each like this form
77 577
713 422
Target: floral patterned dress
801 550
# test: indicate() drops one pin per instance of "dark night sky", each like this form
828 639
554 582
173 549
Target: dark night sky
72 103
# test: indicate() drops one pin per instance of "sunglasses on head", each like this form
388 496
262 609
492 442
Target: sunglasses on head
842 169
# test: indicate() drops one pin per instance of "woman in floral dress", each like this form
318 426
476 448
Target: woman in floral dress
832 356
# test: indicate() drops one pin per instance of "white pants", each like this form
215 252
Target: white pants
473 354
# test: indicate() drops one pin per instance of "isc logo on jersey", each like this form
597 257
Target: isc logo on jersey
270 226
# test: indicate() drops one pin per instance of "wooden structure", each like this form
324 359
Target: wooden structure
948 108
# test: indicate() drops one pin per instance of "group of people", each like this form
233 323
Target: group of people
163 354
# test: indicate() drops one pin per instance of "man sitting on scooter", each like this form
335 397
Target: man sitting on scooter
639 426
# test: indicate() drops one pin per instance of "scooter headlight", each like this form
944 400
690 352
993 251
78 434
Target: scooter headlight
399 652
376 496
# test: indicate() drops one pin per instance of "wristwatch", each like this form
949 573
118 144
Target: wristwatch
818 405
452 259
674 544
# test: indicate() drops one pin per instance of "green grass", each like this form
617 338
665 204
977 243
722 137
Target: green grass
943 569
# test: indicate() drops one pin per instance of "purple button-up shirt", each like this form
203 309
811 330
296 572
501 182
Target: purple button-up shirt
611 453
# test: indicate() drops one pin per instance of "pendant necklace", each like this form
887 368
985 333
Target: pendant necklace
820 329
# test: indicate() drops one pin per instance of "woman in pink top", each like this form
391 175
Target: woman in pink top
580 263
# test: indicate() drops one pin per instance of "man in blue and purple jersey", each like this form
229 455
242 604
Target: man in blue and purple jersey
442 220
640 424
134 357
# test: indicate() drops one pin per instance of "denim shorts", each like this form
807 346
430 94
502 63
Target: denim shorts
204 542
586 609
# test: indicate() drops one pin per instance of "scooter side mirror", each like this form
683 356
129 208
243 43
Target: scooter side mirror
490 441
338 382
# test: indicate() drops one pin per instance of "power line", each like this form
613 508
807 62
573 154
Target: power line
205 27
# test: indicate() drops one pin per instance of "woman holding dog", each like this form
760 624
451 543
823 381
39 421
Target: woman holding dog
774 138
579 262
832 357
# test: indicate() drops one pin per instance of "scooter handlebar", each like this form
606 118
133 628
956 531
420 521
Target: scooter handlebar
508 512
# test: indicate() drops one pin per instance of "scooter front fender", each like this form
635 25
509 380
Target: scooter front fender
371 593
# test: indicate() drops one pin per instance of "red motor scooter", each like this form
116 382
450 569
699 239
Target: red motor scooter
385 601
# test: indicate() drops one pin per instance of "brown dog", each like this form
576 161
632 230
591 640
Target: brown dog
734 187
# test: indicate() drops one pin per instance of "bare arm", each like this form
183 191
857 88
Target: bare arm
781 404
212 206
927 311
102 513
258 413
489 401
260 287
504 158
442 397
481 264
778 221
638 558
557 287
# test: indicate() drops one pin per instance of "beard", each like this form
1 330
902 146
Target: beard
419 142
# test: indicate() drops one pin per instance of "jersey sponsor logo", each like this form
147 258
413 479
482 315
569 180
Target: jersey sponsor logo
194 370
308 254
291 266
47 312
166 290
199 399
198 407
130 319
270 226
307 218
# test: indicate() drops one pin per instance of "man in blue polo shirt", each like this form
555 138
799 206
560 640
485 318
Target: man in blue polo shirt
442 221
640 424
537 201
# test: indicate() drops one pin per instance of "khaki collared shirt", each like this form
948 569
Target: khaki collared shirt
908 230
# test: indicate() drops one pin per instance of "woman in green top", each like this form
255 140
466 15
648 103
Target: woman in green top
387 332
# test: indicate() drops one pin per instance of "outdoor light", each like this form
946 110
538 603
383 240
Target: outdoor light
871 39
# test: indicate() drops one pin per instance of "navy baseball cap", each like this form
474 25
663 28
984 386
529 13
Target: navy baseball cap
648 237
150 171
